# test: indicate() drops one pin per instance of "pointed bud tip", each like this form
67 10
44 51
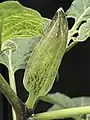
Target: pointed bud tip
60 10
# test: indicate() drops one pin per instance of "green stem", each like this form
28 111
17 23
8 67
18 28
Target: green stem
12 80
70 34
65 113
30 103
71 45
13 99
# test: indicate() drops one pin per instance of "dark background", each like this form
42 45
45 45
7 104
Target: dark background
74 70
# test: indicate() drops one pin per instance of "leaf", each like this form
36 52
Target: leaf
54 107
9 45
20 56
24 47
59 100
80 11
81 101
46 22
84 31
17 21
45 59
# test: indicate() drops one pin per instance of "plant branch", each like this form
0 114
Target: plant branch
65 113
17 104
71 45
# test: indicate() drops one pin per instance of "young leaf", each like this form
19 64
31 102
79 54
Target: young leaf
80 11
45 59
81 101
21 55
84 31
54 107
17 21
46 22
61 102
9 45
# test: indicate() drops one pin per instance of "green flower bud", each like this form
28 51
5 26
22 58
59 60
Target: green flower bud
43 64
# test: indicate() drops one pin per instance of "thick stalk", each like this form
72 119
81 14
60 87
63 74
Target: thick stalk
12 80
30 103
13 99
65 113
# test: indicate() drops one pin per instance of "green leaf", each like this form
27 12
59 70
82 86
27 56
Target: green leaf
46 23
22 50
59 100
19 24
43 64
9 45
20 56
84 31
80 11
81 101
54 107
17 21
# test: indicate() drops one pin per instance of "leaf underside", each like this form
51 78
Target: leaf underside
19 25
80 11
